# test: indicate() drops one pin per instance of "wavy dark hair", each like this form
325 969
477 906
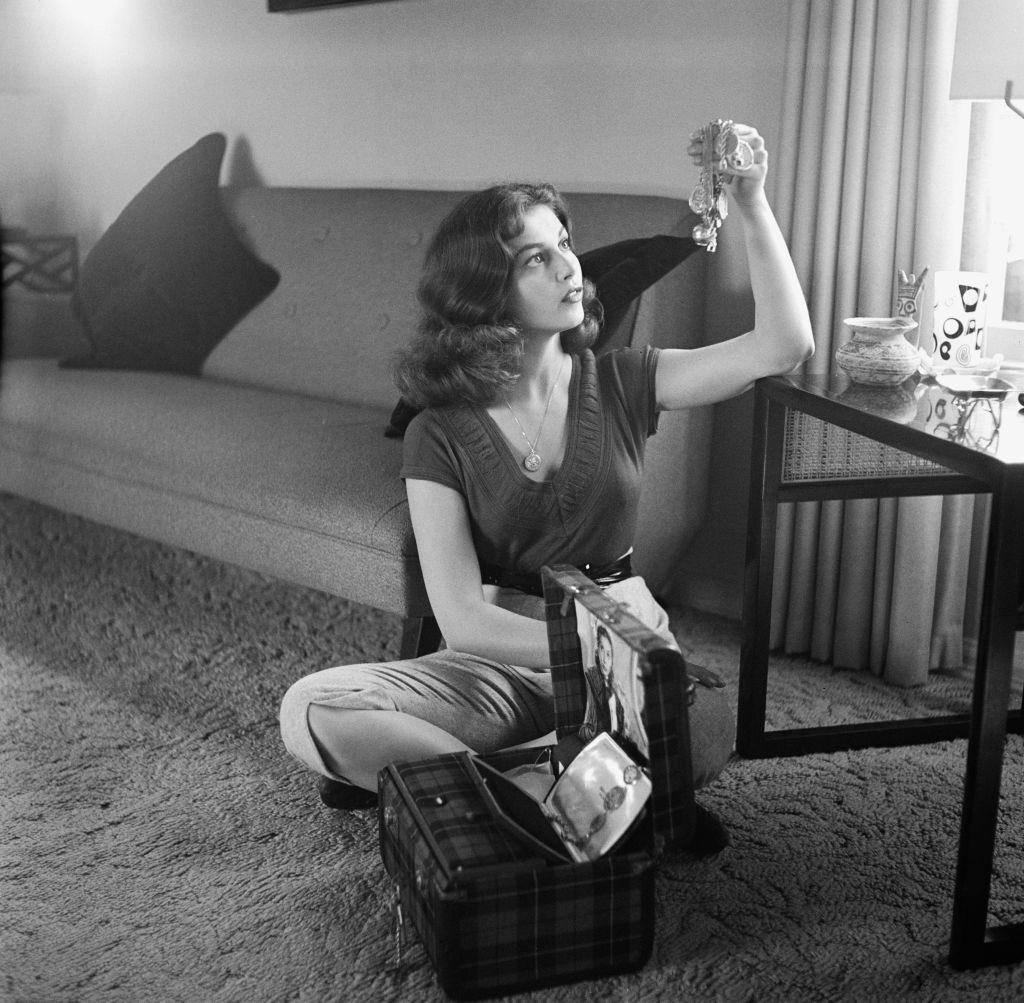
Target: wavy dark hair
468 348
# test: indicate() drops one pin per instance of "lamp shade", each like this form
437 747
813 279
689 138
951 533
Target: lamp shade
989 49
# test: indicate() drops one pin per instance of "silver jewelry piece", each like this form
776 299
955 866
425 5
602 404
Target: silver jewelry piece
700 198
611 801
532 460
742 157
723 151
705 199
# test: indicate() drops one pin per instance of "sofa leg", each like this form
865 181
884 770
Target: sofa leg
420 636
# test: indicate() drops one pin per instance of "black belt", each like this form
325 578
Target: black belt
603 575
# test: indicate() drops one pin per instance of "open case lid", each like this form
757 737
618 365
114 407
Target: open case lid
649 716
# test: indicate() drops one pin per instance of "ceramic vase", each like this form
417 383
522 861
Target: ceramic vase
878 353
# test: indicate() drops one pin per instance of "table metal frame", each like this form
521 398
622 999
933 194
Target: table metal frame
973 942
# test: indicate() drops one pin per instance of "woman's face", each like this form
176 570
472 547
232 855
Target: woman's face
547 282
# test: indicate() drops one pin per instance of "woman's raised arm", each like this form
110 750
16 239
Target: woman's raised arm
781 338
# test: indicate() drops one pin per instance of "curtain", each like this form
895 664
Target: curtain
870 178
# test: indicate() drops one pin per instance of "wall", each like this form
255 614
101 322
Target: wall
591 94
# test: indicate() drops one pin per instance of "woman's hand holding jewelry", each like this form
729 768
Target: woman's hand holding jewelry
732 159
743 164
733 165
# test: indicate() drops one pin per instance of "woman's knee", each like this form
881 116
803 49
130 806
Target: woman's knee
294 725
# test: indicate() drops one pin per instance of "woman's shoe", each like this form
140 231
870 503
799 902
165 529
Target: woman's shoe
709 834
344 797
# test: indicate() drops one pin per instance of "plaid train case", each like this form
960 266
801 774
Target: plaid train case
495 913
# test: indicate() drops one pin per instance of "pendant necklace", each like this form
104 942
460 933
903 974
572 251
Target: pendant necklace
532 460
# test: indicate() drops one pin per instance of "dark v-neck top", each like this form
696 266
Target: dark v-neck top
586 512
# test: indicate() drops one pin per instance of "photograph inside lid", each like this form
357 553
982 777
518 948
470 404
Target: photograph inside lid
615 685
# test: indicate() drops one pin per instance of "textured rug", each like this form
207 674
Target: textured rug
157 843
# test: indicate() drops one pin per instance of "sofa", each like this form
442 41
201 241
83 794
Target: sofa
269 451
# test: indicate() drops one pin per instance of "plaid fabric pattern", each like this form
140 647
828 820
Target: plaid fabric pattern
492 917
568 683
554 924
455 820
496 918
668 691
410 861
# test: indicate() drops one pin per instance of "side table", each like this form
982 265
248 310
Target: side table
921 454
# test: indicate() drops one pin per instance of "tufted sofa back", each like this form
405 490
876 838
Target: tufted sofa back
350 261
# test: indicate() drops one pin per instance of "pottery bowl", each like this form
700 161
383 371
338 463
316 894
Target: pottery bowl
882 327
879 353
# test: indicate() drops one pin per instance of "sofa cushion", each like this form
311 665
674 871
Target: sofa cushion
621 272
170 277
297 462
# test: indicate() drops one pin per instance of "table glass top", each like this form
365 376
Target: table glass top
992 426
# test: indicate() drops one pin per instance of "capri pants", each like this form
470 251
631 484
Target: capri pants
488 705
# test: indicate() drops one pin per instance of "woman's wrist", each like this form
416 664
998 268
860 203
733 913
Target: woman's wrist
751 206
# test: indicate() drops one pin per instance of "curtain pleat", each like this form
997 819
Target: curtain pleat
803 586
785 532
875 183
951 588
907 203
881 600
914 582
856 584
973 577
783 182
883 166
830 536
853 180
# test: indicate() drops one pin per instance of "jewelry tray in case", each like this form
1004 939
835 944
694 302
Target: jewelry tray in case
590 807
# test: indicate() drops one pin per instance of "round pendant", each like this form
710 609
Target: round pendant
532 461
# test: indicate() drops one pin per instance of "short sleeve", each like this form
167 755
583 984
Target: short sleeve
628 375
427 453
